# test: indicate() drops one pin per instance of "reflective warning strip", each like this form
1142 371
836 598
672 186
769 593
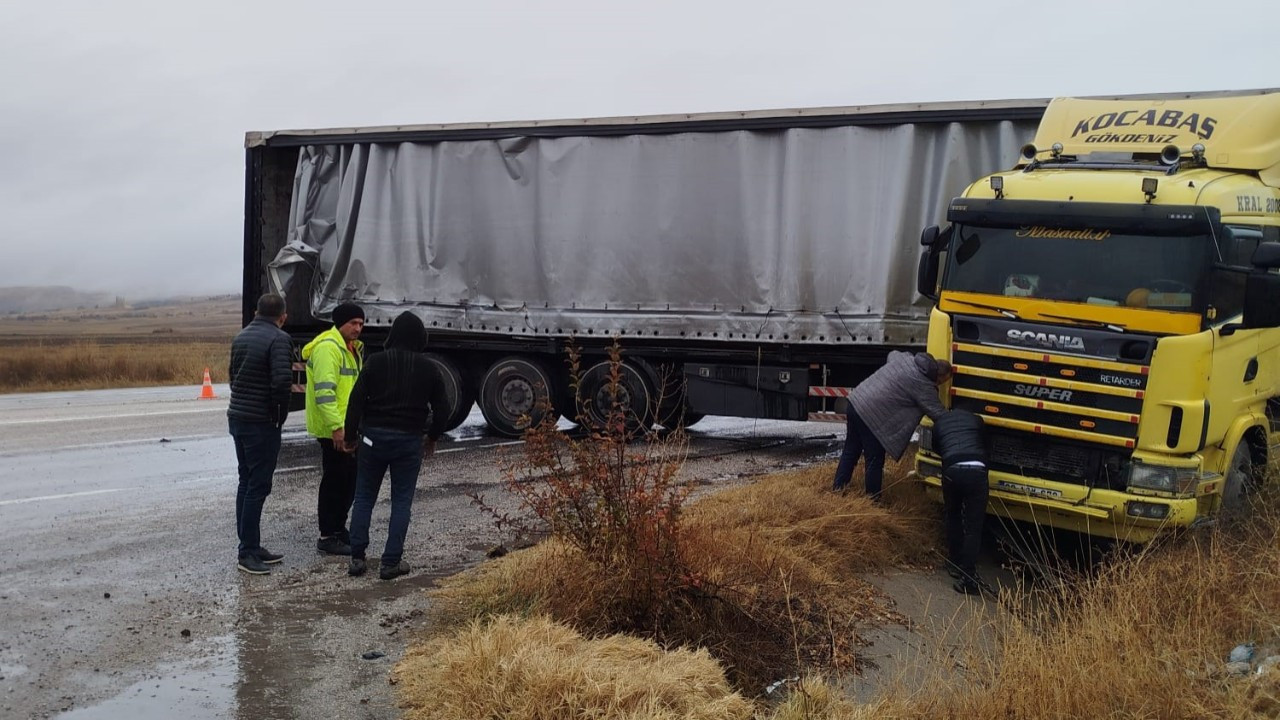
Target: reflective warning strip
326 400
326 386
824 391
826 417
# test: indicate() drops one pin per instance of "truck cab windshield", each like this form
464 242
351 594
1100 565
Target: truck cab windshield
1096 267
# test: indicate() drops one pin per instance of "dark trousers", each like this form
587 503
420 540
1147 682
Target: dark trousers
337 489
859 441
257 448
964 505
400 452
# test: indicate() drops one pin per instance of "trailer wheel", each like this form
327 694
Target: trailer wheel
514 395
635 395
459 393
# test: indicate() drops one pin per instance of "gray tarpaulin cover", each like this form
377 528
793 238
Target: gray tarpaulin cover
805 234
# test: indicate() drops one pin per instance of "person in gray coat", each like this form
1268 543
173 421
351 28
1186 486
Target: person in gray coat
261 381
884 410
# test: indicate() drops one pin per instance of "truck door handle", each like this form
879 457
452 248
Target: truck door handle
1251 370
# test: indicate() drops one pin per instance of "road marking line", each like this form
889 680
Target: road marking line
460 449
63 496
112 417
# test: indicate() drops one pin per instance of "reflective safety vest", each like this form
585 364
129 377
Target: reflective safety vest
331 373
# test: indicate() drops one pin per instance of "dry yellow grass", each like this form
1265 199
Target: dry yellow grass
36 365
773 570
537 669
1145 638
111 347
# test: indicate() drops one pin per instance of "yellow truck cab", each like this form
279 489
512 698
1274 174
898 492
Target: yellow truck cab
1112 309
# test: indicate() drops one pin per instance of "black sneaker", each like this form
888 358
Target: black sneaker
253 566
390 572
357 567
967 587
269 558
333 546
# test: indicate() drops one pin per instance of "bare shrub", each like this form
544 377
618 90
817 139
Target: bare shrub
613 497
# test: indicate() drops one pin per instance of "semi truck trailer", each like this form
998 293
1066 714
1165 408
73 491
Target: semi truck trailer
751 264
1111 306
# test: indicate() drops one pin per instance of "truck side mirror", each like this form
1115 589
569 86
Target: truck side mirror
1262 296
935 242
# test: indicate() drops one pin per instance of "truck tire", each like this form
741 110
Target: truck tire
515 393
636 395
459 393
1240 481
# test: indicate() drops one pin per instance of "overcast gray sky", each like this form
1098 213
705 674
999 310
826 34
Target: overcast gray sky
122 123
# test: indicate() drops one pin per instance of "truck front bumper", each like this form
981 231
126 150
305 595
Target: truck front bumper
1099 512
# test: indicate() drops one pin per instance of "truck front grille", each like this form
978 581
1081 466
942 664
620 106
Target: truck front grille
1052 459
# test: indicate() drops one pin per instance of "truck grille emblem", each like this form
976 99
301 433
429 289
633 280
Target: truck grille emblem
1047 340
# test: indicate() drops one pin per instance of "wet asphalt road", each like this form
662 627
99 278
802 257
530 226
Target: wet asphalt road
118 586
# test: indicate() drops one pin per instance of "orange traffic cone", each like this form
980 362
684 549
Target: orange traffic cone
206 391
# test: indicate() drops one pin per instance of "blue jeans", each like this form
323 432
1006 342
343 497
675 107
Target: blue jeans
859 440
402 453
257 448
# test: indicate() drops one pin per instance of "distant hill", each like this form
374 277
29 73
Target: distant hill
187 317
40 299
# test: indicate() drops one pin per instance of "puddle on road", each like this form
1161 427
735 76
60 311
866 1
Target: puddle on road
263 668
198 689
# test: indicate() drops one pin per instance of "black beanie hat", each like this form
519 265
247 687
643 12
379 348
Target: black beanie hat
345 313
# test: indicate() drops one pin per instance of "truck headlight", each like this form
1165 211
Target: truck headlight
1180 480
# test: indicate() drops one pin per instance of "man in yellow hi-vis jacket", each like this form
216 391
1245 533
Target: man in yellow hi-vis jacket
333 361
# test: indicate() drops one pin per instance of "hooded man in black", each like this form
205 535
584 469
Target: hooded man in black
958 436
391 410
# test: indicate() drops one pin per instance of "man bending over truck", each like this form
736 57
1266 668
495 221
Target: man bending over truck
884 410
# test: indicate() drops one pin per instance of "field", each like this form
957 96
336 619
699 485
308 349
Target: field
168 343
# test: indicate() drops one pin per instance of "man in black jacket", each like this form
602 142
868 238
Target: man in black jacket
261 379
959 438
396 409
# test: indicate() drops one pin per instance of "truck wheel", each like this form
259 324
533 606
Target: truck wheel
1240 481
459 393
515 394
634 398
